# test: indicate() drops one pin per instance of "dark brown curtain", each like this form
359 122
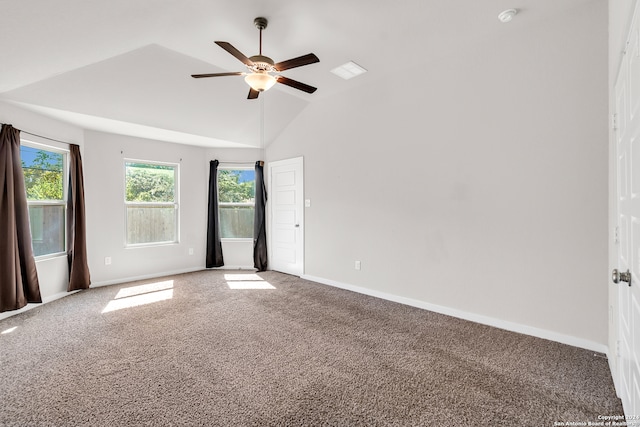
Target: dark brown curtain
214 244
259 229
18 276
79 277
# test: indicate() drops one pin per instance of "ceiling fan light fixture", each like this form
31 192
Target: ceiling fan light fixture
260 81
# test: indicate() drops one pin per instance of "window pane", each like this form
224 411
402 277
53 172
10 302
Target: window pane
47 229
236 221
44 176
151 224
43 173
150 182
236 186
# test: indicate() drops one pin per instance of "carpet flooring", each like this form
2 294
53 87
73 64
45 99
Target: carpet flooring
225 348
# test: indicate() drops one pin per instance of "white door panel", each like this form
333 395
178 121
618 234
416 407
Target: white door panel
633 54
287 221
627 99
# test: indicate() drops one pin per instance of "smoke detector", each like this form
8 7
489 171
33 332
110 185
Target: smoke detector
507 15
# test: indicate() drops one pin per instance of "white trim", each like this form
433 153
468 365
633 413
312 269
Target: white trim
473 317
485 320
29 306
144 277
175 203
56 148
611 355
234 267
49 145
235 166
294 161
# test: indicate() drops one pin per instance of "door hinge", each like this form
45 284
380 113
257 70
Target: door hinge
614 121
616 235
618 349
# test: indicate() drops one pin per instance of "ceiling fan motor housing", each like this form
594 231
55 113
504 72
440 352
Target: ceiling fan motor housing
262 63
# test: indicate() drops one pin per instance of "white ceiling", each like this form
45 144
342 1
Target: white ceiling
124 66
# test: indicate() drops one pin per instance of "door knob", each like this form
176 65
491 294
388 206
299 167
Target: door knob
618 277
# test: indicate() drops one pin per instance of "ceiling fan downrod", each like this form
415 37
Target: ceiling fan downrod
261 24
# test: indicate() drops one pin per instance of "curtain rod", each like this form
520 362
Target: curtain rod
40 136
237 163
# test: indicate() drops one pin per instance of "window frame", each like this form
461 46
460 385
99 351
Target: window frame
233 204
175 203
32 143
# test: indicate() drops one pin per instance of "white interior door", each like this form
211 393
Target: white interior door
287 221
628 201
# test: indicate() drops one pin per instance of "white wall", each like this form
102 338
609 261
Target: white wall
53 274
482 189
104 194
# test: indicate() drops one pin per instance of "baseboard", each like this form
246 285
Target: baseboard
145 277
485 320
611 355
477 318
235 267
29 306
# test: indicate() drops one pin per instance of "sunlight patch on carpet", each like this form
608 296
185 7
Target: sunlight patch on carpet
242 277
144 289
141 295
247 281
250 285
8 331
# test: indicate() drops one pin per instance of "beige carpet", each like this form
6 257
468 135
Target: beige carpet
198 350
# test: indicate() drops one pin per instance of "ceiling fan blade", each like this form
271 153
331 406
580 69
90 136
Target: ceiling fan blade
295 84
199 76
296 62
253 94
235 52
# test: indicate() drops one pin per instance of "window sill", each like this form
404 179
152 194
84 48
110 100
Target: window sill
150 245
50 256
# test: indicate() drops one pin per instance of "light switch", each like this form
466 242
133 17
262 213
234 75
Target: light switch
307 203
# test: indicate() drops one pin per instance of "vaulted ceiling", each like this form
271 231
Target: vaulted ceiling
124 66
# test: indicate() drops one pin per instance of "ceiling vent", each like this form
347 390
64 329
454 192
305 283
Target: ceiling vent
349 70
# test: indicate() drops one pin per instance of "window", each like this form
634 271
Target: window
151 202
236 202
45 173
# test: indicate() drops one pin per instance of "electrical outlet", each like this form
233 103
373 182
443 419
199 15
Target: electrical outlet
107 260
358 265
190 251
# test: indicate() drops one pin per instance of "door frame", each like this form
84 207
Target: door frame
615 294
300 202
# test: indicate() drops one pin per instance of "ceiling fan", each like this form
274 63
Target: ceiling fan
263 72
